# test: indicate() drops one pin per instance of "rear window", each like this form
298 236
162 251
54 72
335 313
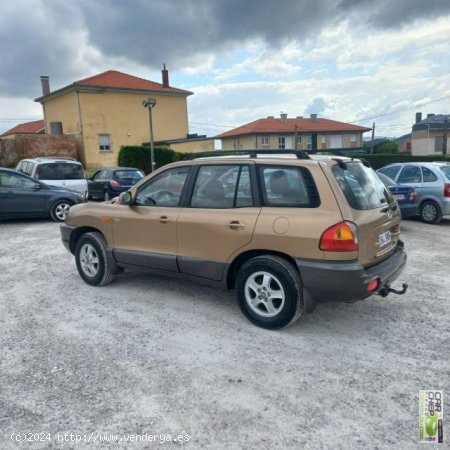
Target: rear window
60 171
446 171
134 175
361 186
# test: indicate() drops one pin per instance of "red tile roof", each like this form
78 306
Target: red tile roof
26 128
118 80
303 125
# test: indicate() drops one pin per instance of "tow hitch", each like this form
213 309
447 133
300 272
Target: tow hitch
387 290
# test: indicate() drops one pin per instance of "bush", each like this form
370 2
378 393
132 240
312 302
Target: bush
140 157
377 161
388 147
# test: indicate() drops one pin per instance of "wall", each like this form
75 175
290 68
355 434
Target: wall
33 145
206 145
423 142
122 116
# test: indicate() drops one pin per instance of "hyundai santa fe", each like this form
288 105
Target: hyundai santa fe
285 230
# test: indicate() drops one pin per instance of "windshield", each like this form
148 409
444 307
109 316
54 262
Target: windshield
361 186
446 171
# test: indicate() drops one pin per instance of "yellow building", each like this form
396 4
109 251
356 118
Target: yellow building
298 133
105 112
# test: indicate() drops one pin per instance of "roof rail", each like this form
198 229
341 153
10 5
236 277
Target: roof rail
253 153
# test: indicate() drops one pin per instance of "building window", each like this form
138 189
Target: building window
104 142
353 138
309 142
265 140
281 142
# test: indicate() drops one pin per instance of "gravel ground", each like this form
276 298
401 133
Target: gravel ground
153 356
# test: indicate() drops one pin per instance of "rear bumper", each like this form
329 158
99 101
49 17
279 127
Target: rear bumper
409 210
347 281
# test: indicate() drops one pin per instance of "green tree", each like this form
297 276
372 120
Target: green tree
387 148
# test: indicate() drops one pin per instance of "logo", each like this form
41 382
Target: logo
431 417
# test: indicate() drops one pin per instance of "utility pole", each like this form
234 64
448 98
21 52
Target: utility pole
150 104
444 136
373 139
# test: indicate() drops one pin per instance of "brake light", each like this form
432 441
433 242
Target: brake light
372 286
114 184
413 197
447 190
342 237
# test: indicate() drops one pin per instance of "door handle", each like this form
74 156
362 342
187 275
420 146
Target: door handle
235 225
163 219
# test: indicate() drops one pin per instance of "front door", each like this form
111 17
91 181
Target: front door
145 234
219 220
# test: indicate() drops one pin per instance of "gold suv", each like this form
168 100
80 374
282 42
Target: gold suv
286 229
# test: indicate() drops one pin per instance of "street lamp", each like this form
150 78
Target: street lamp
150 103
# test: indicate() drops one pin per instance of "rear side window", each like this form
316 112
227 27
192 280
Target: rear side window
361 186
60 171
288 186
428 175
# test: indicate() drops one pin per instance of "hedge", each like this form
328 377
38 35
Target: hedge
140 157
377 161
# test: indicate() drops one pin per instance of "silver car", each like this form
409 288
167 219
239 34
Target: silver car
432 184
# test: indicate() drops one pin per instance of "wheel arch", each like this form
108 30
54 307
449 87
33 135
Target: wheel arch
241 259
78 232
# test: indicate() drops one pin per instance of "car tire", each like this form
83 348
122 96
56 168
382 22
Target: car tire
430 212
263 279
59 210
92 261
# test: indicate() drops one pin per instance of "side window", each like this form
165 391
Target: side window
222 186
410 174
163 190
428 175
286 186
98 175
391 172
11 180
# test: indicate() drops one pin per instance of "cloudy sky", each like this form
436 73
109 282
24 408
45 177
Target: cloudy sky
359 61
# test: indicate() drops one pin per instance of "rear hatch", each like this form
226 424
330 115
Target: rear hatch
66 174
371 207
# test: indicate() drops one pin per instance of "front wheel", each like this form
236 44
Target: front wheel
269 292
59 210
92 261
430 212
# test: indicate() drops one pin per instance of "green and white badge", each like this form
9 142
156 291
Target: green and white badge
431 416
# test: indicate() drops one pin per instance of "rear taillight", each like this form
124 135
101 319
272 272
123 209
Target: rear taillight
115 184
372 286
447 190
342 237
413 197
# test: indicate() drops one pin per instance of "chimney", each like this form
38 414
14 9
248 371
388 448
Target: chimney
283 117
45 83
270 117
299 117
430 115
313 117
165 77
418 117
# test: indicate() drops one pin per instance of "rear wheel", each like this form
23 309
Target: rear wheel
269 292
59 210
92 261
430 212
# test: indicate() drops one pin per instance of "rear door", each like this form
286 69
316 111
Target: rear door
219 219
372 208
411 176
96 184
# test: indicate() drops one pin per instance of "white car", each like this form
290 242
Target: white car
61 172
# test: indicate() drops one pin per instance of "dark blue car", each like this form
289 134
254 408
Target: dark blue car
406 196
24 197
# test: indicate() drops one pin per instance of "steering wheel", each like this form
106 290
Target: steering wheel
164 194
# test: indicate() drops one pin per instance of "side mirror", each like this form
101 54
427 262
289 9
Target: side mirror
125 198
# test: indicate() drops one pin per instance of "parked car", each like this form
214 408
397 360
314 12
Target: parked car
285 232
63 172
406 196
431 182
22 197
111 181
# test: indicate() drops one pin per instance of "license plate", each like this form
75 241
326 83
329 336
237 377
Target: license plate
384 238
399 197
